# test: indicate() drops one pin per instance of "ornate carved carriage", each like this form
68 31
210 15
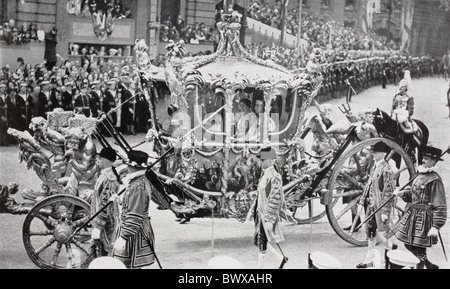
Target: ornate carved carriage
220 140
210 117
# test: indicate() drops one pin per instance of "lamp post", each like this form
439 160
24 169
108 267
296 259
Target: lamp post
389 9
244 24
283 7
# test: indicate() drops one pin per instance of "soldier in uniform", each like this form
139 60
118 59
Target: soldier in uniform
385 74
3 116
106 224
95 96
24 108
333 80
127 108
350 80
142 116
337 80
12 106
108 100
135 243
42 106
403 107
116 116
81 104
426 212
67 95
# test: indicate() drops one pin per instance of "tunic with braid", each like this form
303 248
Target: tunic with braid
135 226
270 208
426 208
107 221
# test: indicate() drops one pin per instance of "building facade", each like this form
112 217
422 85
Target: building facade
430 33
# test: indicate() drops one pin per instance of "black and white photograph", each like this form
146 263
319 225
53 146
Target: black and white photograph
235 136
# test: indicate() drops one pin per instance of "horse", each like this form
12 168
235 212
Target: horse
391 129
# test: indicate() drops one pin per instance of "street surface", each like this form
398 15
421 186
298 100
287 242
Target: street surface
192 245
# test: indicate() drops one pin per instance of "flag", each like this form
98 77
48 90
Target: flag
368 19
376 6
407 21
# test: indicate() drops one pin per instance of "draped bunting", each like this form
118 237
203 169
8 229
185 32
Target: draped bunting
407 21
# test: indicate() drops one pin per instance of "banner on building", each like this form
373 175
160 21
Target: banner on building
407 22
376 4
368 15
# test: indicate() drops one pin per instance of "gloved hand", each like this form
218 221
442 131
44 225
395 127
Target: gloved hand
433 232
120 244
95 234
114 198
268 226
398 193
384 218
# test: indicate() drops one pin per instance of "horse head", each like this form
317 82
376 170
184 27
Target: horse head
384 124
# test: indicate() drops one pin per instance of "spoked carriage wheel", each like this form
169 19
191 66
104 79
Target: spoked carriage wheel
308 210
46 232
350 178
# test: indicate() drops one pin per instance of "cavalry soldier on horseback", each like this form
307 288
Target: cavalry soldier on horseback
403 106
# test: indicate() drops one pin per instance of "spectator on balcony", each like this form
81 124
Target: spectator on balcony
7 33
33 32
127 14
117 12
188 35
179 23
164 33
92 51
25 34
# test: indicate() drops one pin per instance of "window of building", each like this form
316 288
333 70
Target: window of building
98 51
350 5
120 9
326 4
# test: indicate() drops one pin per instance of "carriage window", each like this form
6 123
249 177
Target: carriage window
245 119
249 120
250 117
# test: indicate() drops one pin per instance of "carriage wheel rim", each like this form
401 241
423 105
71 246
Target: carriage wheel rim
335 173
61 244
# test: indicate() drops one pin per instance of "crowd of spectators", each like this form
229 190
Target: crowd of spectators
177 30
91 51
88 8
318 31
298 58
71 86
12 33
